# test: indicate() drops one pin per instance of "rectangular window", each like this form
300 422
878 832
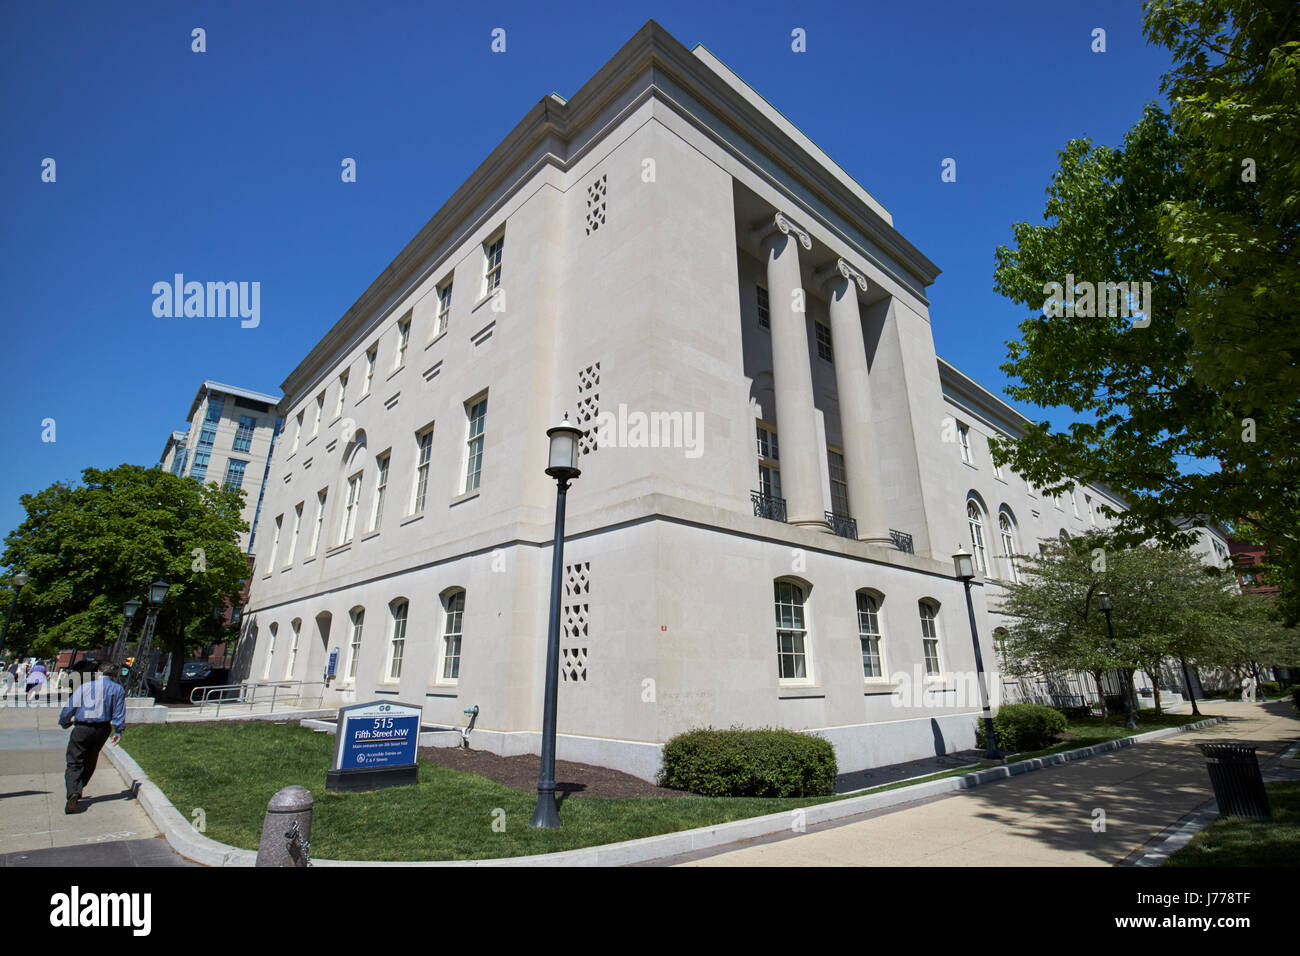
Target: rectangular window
824 349
178 462
476 414
869 636
1087 502
403 339
492 265
235 473
381 485
424 451
769 471
295 627
275 543
444 308
293 538
320 412
343 394
930 640
244 434
839 483
270 653
354 647
451 635
1074 503
350 509
297 433
398 643
320 521
963 436
372 353
764 309
997 470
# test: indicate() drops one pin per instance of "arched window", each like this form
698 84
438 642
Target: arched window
357 616
869 635
453 604
397 638
930 638
791 632
975 520
1007 534
295 628
270 652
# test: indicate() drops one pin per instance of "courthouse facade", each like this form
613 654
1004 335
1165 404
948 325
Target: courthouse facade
776 472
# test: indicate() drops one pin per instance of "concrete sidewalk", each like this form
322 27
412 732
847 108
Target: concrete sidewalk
1049 818
109 827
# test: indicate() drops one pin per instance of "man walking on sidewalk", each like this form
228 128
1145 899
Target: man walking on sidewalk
97 707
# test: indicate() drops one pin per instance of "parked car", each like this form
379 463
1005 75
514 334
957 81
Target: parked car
194 674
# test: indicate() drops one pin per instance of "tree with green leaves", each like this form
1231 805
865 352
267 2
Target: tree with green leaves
91 546
1208 372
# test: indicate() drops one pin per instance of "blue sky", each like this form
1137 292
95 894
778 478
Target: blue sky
225 166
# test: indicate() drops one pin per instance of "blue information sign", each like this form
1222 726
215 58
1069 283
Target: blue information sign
377 735
331 669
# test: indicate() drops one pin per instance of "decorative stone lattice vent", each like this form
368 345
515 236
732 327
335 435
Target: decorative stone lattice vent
596 193
588 407
574 622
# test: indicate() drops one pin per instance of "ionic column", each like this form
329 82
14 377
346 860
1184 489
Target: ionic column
858 436
796 418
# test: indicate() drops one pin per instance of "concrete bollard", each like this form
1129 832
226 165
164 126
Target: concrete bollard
286 831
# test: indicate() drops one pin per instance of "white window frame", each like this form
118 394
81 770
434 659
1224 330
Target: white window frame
801 635
841 483
297 434
963 441
275 545
403 341
975 526
320 413
474 443
1007 535
348 526
936 637
420 481
322 497
293 538
444 648
768 448
1074 503
396 640
357 623
270 652
372 356
443 317
866 635
295 629
382 463
343 393
491 270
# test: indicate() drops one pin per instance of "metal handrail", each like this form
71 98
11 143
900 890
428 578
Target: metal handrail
767 506
246 692
843 526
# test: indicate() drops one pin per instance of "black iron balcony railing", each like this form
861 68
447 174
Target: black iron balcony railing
843 525
902 541
768 506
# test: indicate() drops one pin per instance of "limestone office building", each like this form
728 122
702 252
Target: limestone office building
762 537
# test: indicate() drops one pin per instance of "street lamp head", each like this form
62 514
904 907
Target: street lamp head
158 591
964 562
1103 601
20 580
562 462
129 608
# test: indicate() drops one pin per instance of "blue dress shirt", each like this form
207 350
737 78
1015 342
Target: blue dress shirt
96 701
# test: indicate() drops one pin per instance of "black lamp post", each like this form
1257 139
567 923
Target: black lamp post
1187 680
119 646
1103 599
139 670
19 581
965 565
562 465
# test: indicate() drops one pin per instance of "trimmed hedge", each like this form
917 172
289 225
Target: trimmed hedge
1020 727
766 762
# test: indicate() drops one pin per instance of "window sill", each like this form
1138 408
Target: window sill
338 549
467 496
395 371
309 560
370 534
360 399
484 300
800 691
437 338
310 440
411 519
337 418
969 465
436 691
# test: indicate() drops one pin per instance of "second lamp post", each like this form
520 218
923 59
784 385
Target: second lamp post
964 562
1104 602
562 465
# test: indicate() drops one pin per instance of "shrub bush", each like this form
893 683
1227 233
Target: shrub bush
1024 727
766 762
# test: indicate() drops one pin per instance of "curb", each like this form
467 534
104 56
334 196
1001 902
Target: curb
194 846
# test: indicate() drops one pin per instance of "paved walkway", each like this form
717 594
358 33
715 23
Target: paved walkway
1046 818
108 829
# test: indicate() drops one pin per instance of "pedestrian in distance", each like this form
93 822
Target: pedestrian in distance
96 710
35 681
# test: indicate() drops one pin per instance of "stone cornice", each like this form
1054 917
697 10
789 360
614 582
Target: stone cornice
840 270
548 135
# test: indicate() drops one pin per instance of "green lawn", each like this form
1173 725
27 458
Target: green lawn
1236 842
1094 730
232 771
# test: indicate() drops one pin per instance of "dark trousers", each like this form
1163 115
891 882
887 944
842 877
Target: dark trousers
84 745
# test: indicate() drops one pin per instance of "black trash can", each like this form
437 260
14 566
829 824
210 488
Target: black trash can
1238 786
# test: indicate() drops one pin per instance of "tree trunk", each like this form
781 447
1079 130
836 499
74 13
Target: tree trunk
1155 686
175 644
1101 694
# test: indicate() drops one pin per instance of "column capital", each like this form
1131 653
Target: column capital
839 269
783 224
